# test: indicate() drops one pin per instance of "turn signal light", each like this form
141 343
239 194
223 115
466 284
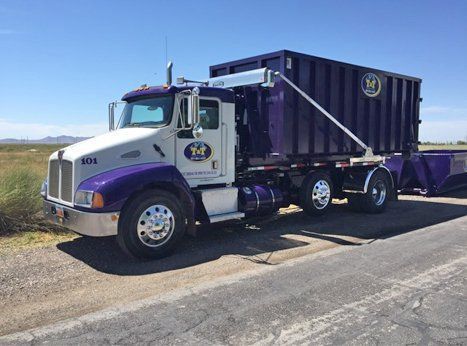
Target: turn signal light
97 200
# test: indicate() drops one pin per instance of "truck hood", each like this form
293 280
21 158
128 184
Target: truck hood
116 149
115 141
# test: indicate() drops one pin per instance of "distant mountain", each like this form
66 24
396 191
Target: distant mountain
46 140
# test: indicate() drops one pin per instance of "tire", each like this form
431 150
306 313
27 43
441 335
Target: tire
316 193
156 208
375 200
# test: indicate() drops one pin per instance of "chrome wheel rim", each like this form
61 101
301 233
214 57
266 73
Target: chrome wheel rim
155 225
379 193
321 194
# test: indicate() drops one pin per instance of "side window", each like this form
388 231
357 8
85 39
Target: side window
208 113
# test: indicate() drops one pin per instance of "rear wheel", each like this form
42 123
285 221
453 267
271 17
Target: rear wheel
374 201
151 225
316 193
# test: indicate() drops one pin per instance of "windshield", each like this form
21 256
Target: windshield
148 112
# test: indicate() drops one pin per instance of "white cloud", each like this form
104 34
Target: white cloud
443 131
10 129
443 124
441 110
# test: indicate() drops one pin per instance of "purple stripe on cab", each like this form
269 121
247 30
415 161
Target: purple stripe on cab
117 185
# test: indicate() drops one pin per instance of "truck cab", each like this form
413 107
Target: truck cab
200 144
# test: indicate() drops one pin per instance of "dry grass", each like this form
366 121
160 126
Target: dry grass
443 147
19 188
22 170
34 157
32 239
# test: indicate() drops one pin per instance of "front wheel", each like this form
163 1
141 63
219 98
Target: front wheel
151 225
316 193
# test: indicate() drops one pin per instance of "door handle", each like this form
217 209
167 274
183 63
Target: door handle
159 150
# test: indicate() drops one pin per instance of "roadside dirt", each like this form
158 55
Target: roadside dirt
44 285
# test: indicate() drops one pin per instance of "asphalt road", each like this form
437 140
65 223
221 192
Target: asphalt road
384 284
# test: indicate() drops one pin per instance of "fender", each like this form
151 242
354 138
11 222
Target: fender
357 181
117 185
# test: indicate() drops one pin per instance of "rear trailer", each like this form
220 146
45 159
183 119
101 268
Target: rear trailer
431 172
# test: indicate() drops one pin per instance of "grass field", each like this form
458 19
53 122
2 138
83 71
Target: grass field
34 156
443 147
22 170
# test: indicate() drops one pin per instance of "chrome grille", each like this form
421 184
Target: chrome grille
54 172
66 192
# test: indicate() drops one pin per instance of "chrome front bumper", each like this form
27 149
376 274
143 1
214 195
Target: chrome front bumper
90 224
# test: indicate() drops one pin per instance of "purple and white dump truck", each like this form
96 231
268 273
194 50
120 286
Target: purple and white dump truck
258 135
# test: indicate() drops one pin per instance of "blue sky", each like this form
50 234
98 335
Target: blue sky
61 62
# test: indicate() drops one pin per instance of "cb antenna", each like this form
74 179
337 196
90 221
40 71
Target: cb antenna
166 55
169 66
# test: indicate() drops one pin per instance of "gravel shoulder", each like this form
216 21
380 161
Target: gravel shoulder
44 285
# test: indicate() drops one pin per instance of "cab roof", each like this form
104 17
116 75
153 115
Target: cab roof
224 95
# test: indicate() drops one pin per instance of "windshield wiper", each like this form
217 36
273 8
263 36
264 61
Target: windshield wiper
143 123
133 125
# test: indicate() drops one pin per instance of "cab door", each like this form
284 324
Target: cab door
199 159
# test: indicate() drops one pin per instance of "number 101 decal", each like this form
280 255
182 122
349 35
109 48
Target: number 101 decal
89 161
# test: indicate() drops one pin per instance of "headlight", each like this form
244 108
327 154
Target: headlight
84 198
44 189
89 199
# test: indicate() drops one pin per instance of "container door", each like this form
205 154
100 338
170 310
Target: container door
199 160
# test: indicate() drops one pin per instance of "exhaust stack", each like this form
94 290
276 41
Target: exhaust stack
169 73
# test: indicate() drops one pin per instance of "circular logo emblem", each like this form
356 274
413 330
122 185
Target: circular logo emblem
371 84
198 151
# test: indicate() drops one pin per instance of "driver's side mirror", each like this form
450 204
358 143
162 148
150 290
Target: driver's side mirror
112 106
195 117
